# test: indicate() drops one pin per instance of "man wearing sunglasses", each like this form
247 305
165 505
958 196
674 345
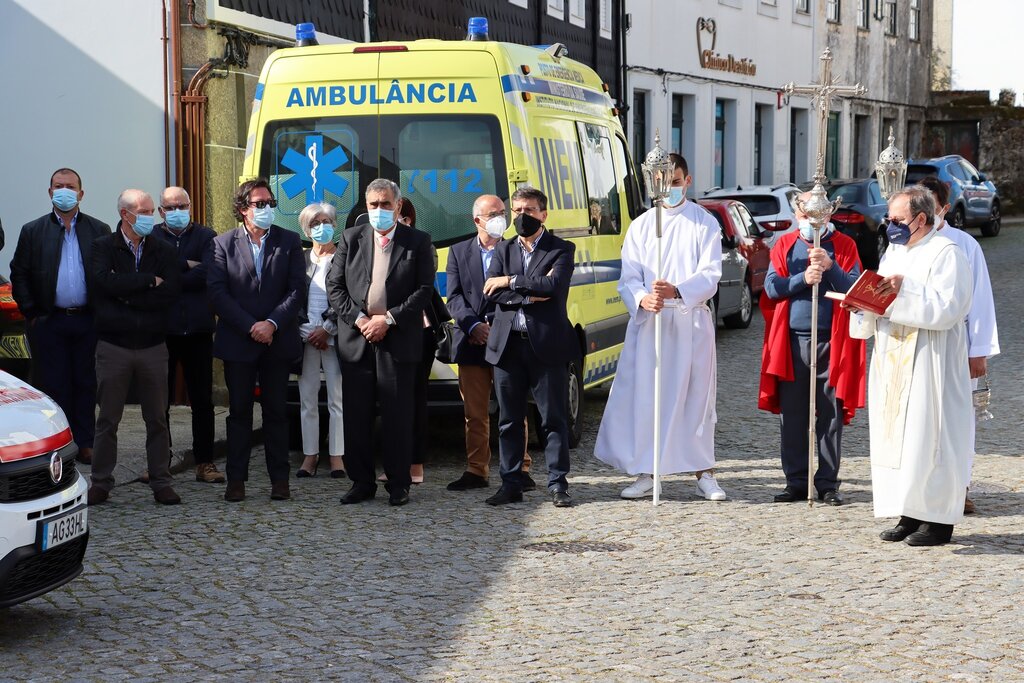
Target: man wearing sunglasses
256 281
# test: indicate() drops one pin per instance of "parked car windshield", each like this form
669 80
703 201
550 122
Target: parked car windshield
758 205
915 172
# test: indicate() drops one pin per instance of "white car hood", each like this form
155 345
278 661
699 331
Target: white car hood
31 423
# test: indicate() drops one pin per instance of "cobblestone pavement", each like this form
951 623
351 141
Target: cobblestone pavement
449 589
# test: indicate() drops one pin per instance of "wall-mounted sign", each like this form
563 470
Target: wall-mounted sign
709 59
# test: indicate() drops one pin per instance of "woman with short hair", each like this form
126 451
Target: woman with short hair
318 327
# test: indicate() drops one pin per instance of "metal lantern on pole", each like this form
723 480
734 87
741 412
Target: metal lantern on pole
658 171
891 169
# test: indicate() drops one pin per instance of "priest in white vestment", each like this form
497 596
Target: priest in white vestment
982 334
919 389
692 265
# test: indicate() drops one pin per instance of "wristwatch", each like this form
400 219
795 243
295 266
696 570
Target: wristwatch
389 319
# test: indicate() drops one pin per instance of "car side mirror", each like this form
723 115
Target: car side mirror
728 242
982 178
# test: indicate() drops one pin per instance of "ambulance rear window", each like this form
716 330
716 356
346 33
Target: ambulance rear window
441 162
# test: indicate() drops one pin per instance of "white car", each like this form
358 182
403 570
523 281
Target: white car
770 205
44 524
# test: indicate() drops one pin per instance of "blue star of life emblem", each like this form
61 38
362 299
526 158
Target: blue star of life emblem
315 172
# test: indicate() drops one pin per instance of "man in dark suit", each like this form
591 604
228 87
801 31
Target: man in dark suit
190 324
49 284
468 262
380 283
255 280
530 343
135 281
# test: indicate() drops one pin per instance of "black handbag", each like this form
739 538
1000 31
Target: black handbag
445 337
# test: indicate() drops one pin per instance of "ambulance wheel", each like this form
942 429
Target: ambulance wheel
575 412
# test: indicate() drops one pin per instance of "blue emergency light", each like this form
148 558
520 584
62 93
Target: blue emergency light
477 29
305 34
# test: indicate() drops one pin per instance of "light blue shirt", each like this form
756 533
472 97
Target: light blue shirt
485 259
257 253
71 292
137 253
519 323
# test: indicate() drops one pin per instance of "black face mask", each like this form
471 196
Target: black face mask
527 225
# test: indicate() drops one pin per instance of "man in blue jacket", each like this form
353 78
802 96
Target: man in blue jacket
256 279
190 324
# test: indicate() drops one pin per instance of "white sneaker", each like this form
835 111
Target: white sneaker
709 488
643 486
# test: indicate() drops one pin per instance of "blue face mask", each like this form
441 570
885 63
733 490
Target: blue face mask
64 198
143 224
898 233
675 196
177 219
807 230
322 234
382 219
263 218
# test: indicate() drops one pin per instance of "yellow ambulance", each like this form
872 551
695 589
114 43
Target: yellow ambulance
449 121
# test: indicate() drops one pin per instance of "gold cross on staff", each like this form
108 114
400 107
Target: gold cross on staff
821 98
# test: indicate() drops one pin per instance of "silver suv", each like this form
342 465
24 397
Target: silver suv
770 205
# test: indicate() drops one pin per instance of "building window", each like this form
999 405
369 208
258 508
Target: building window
719 143
677 124
803 6
863 14
605 18
768 2
578 12
890 17
832 146
763 128
556 8
832 11
914 29
639 128
520 3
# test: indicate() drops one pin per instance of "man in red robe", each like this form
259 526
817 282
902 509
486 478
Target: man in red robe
796 265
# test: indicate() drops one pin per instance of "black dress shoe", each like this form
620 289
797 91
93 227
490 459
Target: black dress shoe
398 496
903 528
528 483
831 497
358 493
930 533
791 494
467 481
505 496
561 499
337 474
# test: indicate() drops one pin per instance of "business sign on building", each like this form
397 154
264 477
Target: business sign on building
707 40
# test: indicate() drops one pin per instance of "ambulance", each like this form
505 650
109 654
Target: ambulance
449 121
44 526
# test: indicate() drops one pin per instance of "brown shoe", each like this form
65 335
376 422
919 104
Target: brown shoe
167 496
235 491
969 508
84 456
97 496
279 490
207 472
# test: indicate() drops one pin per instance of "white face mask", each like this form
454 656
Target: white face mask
496 226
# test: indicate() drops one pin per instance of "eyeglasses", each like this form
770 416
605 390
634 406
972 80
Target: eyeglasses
175 207
492 214
317 224
272 203
529 210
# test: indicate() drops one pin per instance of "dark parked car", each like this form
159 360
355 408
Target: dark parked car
861 216
734 302
15 357
974 200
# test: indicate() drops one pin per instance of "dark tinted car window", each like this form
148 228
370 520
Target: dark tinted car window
876 194
915 172
956 171
848 193
969 171
759 205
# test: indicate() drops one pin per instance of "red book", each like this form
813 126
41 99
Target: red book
863 295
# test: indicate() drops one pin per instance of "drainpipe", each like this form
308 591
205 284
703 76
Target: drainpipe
193 142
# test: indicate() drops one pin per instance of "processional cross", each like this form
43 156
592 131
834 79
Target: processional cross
819 210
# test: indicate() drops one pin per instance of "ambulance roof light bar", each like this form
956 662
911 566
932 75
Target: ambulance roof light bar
477 29
305 34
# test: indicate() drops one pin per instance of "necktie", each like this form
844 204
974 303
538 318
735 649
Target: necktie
384 242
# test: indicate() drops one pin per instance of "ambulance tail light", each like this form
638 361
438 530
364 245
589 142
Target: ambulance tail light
305 34
381 48
477 29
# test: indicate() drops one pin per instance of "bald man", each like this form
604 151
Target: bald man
466 271
135 282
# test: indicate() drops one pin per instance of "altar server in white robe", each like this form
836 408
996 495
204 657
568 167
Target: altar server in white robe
692 265
919 390
982 334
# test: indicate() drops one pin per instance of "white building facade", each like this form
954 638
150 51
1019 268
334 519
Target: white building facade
709 76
